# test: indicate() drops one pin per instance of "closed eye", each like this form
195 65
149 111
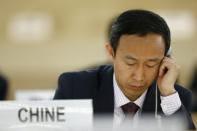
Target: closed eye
151 65
130 64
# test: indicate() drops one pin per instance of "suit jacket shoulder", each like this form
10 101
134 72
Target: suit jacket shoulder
82 84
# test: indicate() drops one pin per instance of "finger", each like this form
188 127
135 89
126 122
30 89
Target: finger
169 60
162 70
164 67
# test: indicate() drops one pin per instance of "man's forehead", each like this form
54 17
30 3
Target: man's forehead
149 58
151 46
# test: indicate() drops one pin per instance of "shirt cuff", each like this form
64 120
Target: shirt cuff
170 104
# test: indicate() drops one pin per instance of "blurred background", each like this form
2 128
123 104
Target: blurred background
40 39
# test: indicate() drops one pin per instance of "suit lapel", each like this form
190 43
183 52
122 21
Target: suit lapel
103 100
149 102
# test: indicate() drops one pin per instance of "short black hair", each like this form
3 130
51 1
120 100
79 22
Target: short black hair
139 22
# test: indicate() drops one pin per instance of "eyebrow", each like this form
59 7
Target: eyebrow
155 59
151 59
130 57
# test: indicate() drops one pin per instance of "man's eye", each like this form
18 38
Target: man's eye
151 65
130 64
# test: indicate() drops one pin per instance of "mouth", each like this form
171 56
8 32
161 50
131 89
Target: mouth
136 87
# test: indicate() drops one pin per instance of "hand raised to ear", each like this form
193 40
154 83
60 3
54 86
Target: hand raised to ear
168 73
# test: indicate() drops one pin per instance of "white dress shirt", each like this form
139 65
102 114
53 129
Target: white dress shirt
169 104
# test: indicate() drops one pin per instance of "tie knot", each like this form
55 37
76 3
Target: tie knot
130 108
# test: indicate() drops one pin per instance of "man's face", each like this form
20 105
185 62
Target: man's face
136 62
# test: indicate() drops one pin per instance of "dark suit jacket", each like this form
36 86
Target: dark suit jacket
97 84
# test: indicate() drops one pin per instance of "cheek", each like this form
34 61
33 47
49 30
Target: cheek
121 71
151 74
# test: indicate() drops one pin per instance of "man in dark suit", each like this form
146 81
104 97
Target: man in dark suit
139 46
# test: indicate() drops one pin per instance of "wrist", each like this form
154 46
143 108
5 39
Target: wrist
168 91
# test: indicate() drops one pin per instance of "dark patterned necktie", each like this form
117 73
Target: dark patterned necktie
130 109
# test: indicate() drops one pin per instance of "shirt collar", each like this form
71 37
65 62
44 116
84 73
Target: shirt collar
121 99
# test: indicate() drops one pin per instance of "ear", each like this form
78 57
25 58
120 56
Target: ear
110 51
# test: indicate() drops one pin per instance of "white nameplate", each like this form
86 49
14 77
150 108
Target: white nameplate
56 114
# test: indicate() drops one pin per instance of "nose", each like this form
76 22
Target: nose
138 73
